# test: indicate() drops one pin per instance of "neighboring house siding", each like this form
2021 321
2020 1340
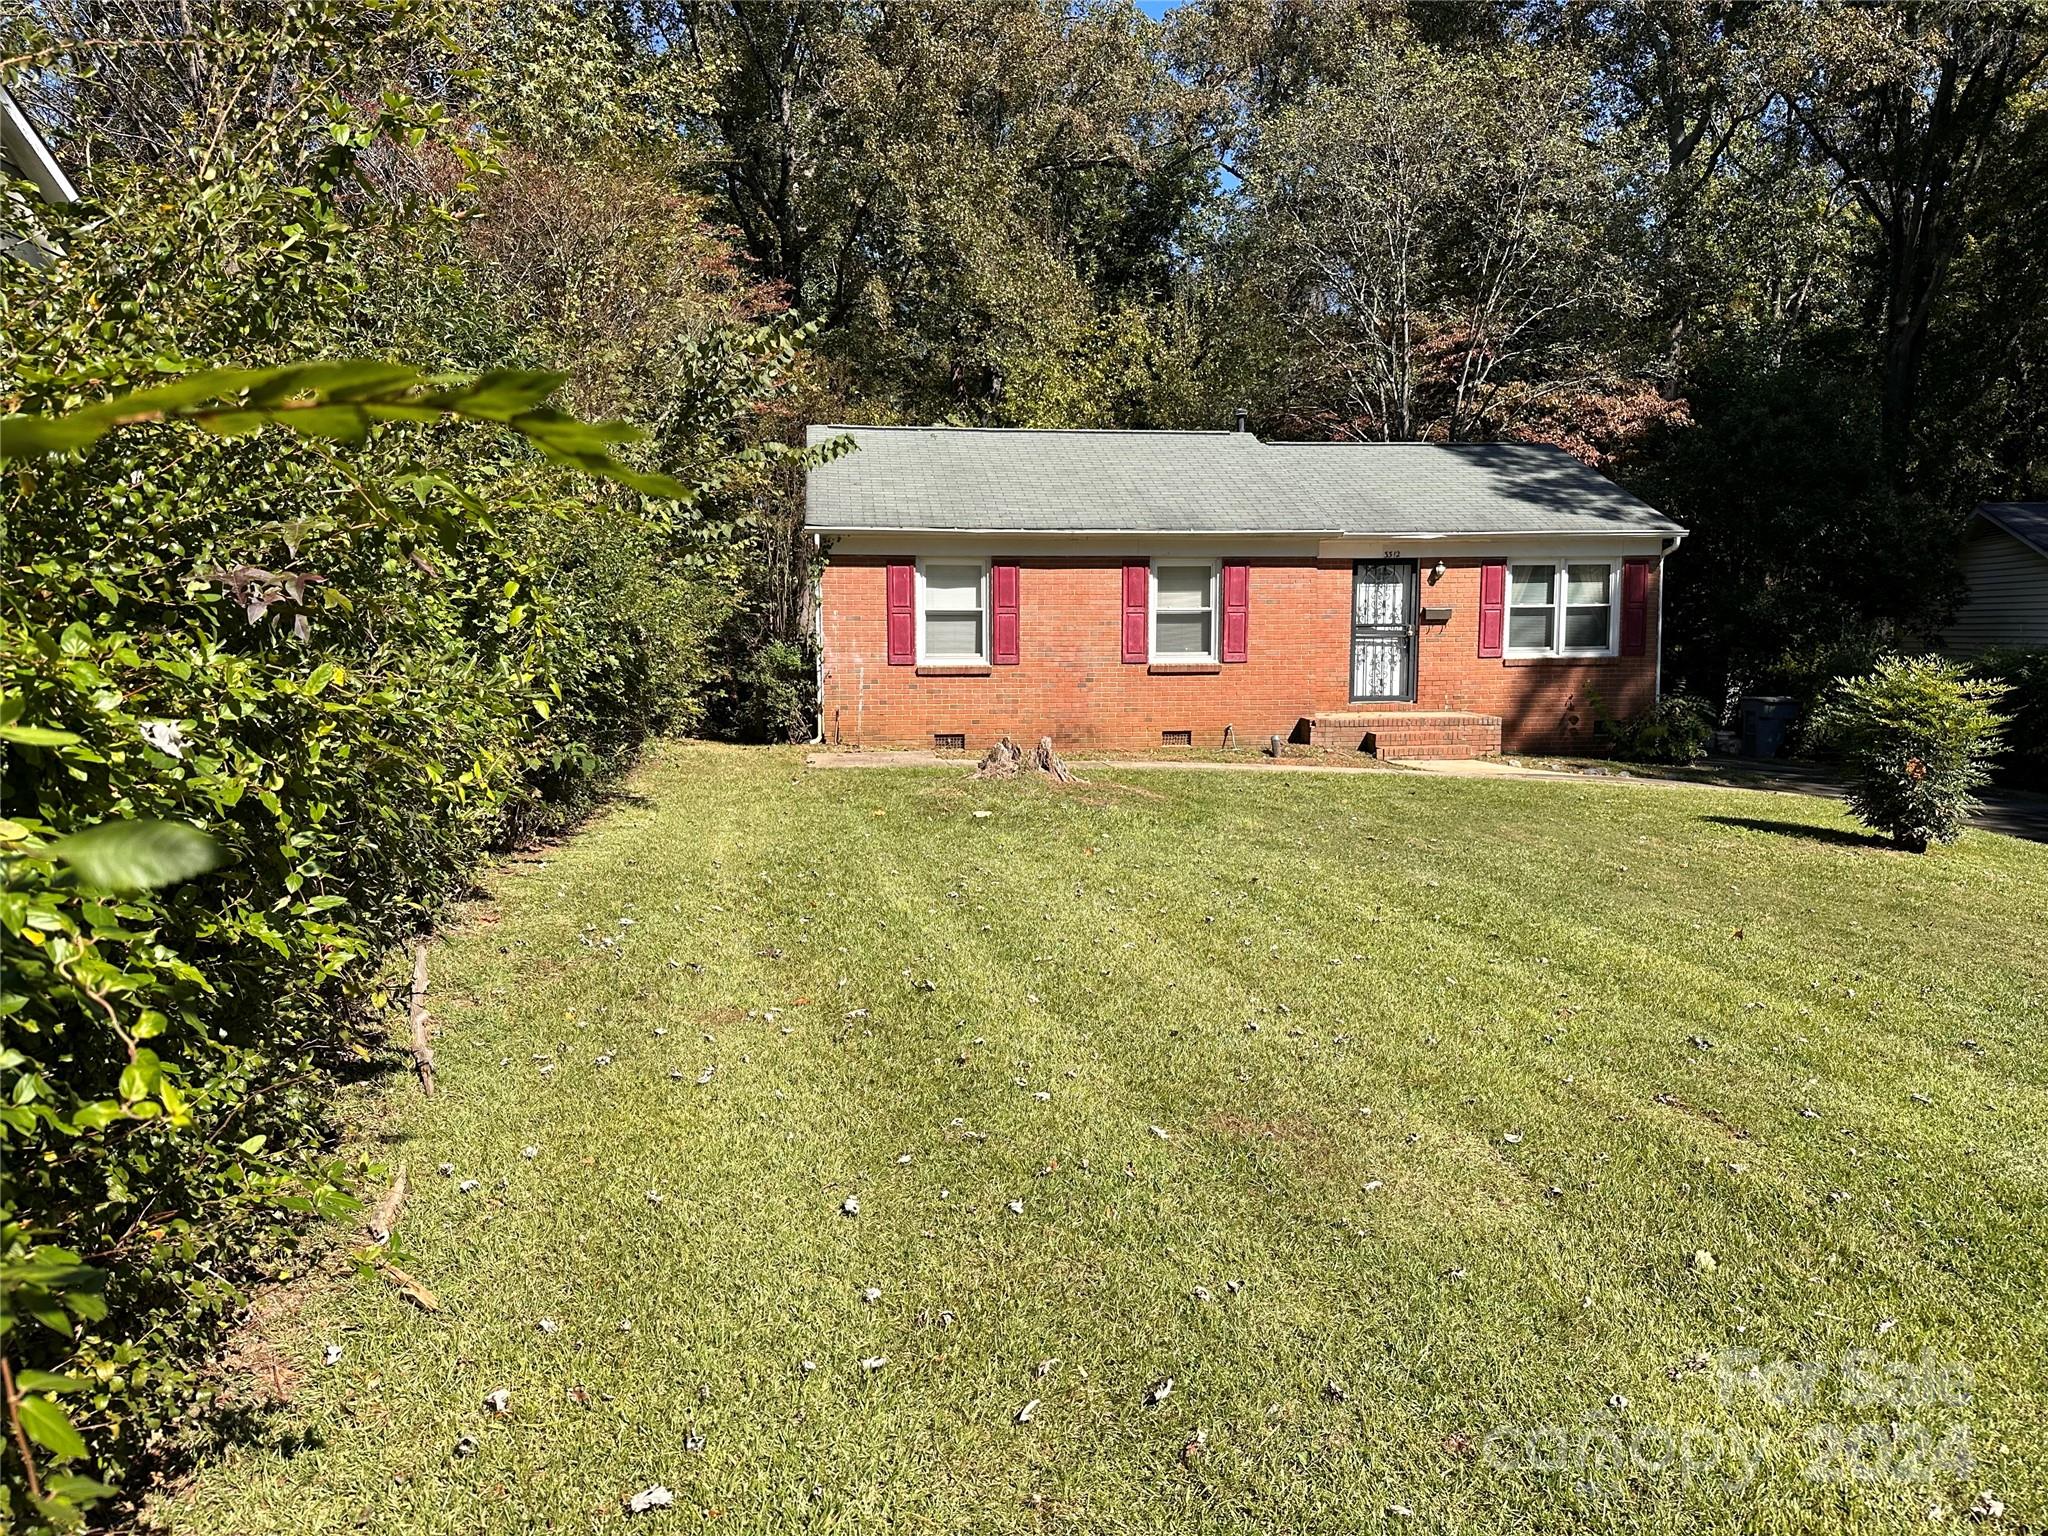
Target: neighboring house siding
2007 595
1071 682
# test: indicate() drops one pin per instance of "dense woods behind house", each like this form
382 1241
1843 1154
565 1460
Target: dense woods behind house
1781 271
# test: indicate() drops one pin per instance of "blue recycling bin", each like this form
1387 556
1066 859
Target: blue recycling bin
1767 721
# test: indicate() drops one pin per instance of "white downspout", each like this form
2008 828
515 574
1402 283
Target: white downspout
818 623
1657 688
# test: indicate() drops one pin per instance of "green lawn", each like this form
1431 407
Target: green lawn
1456 1078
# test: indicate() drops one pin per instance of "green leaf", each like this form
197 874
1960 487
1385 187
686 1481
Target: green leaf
339 379
340 423
233 423
36 736
77 1488
98 1116
48 1381
138 855
139 1076
30 437
49 1426
499 395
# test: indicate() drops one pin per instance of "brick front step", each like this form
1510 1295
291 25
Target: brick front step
1420 733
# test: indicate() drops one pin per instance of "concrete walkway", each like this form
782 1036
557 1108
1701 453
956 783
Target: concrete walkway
2009 811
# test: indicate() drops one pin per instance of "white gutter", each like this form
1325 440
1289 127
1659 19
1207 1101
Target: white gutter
26 151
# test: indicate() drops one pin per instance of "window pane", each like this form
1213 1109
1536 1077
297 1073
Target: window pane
1183 634
1585 584
1529 629
1585 629
952 586
952 634
1182 586
1530 585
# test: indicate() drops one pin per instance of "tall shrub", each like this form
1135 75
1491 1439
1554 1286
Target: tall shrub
1918 735
356 658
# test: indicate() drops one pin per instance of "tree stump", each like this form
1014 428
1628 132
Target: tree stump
1047 762
1001 761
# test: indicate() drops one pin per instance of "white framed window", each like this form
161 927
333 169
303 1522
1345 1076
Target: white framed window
1562 607
952 612
1184 626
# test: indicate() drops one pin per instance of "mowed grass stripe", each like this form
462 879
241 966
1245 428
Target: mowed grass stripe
1457 1298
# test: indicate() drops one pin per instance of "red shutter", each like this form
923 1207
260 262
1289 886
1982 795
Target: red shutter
902 614
1137 610
1493 597
1635 606
1003 629
1237 602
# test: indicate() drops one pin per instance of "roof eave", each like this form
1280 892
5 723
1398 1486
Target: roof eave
1670 531
26 147
1990 516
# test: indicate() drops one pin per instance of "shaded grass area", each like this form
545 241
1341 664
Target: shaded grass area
1456 1079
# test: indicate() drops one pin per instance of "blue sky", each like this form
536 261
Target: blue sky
1157 8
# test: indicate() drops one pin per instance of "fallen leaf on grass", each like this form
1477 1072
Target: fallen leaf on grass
410 1288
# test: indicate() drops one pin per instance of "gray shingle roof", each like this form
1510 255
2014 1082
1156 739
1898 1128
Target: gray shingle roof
2026 521
1000 480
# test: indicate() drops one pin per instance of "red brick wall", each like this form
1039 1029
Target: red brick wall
1071 683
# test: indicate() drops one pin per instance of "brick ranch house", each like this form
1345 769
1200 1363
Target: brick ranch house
1134 589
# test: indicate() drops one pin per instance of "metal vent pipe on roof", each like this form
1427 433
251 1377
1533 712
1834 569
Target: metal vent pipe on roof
1244 420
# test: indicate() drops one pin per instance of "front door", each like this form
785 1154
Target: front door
1383 630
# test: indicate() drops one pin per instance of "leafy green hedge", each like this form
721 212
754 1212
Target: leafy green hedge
354 722
356 655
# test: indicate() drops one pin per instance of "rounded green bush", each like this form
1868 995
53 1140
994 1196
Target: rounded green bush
1917 735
